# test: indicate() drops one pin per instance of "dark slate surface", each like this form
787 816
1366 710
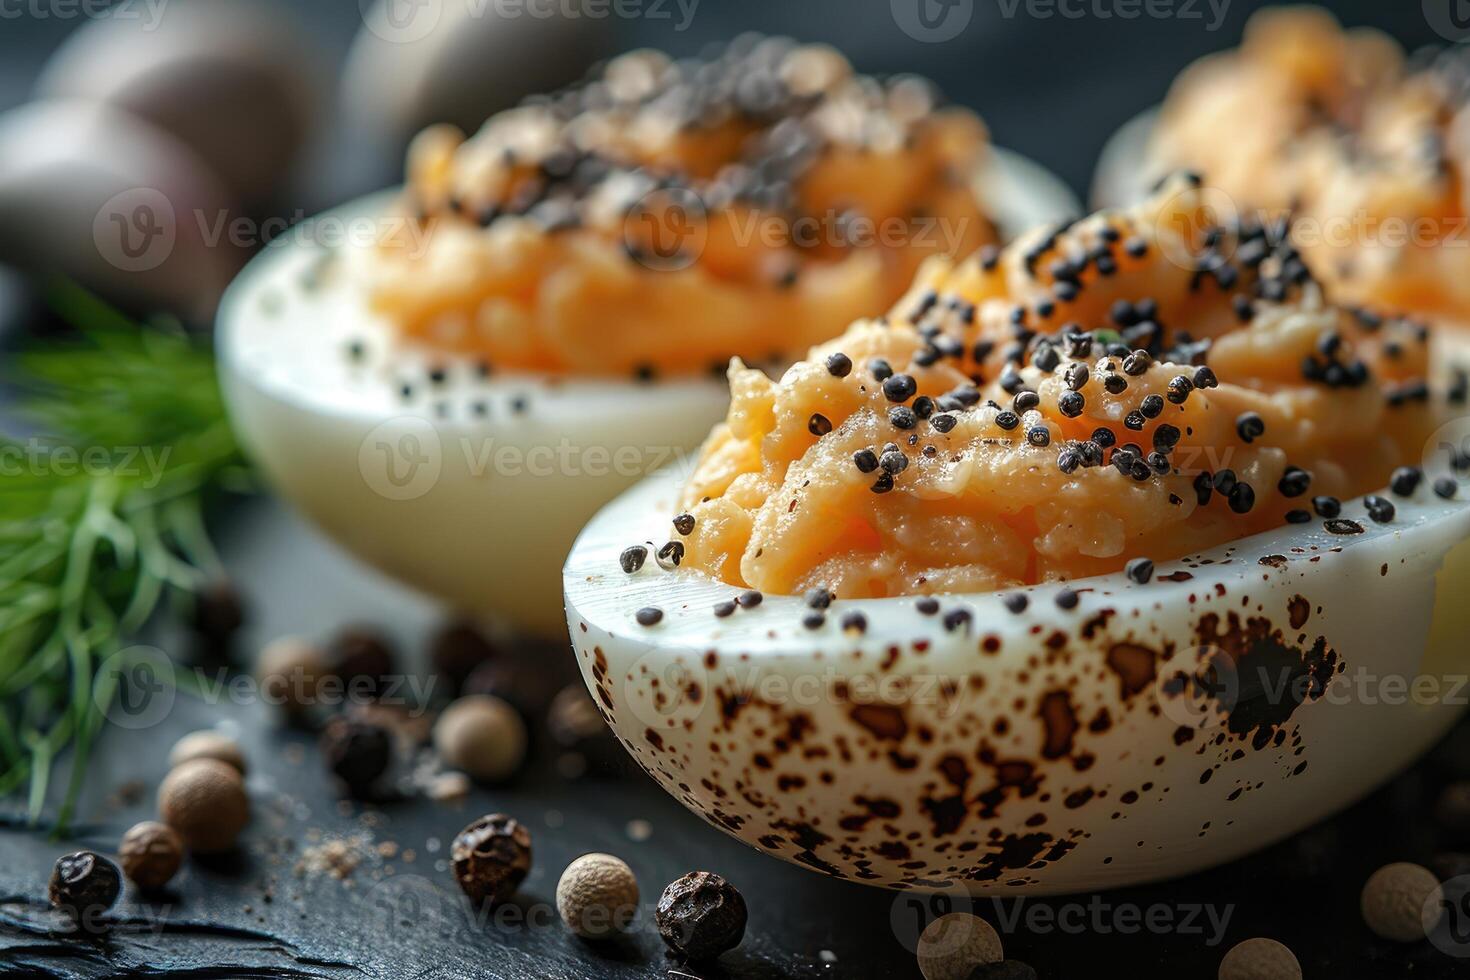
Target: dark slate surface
252 915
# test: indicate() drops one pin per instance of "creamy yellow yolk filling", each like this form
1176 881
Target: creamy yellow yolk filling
1138 385
1370 151
667 215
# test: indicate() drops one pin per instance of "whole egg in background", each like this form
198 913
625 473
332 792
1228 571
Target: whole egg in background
233 81
106 198
412 65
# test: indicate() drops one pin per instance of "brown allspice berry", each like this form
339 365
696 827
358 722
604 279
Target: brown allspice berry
84 885
204 801
700 916
290 672
363 659
151 854
456 651
577 727
491 857
218 612
530 687
207 744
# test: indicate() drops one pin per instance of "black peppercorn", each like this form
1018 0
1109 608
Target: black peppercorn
701 916
357 752
632 559
85 885
1140 570
1406 480
1379 508
491 857
669 555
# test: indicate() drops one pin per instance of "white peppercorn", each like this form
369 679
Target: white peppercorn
204 801
1401 902
597 896
207 745
1260 959
483 736
953 945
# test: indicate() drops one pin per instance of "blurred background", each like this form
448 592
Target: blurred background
262 113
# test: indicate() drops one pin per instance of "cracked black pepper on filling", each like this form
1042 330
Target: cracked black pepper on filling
1219 427
726 204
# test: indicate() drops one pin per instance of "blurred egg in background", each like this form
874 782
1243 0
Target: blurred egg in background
414 64
232 80
91 192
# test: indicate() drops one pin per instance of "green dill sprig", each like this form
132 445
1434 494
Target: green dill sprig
101 517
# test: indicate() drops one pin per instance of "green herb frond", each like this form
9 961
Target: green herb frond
101 516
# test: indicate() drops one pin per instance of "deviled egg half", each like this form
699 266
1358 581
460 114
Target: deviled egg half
1367 148
451 379
1101 559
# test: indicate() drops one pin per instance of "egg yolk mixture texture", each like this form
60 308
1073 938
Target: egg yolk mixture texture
1369 148
1135 385
665 214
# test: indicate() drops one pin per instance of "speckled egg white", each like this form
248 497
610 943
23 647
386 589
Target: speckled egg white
1140 732
469 488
